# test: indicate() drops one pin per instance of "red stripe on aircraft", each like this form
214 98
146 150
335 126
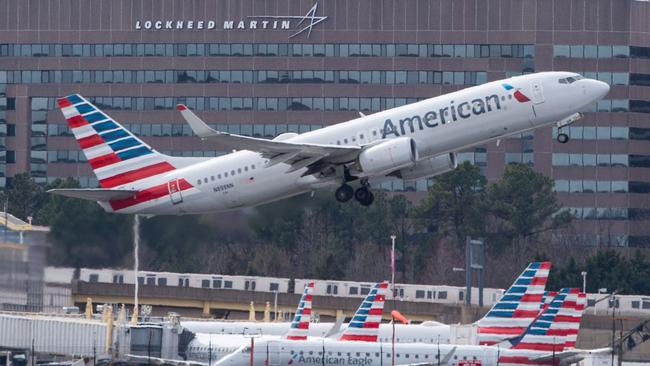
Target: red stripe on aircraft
90 141
540 346
359 337
504 330
63 102
147 195
539 280
372 325
375 311
296 338
525 314
136 174
76 121
104 160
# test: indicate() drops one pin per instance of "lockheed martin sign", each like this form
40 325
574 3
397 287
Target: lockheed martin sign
298 23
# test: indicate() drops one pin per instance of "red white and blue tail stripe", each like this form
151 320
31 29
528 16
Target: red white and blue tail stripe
300 325
546 335
118 158
517 308
364 325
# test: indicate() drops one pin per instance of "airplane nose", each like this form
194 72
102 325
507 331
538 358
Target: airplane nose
597 88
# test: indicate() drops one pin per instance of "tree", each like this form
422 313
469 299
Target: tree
521 205
23 196
453 206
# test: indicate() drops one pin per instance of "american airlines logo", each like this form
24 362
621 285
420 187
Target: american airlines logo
299 23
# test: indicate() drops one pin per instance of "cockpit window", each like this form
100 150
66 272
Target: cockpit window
570 79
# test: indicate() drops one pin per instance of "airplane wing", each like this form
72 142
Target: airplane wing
94 194
299 155
574 355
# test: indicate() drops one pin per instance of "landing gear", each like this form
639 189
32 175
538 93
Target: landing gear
562 138
344 193
364 196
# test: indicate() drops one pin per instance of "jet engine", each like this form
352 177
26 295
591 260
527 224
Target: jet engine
428 167
389 155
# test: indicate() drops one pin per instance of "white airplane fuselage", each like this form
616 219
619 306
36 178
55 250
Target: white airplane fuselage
440 125
327 352
215 340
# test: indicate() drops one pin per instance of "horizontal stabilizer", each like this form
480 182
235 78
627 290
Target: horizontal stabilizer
94 194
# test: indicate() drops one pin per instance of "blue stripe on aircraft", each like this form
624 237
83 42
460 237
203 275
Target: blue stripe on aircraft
355 325
517 290
523 281
535 265
363 311
511 298
74 99
500 314
114 135
94 117
124 144
84 108
529 273
505 306
361 318
105 126
536 332
134 153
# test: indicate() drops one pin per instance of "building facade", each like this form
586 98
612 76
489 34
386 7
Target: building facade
262 68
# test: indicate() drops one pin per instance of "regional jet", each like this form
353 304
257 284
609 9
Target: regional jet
410 142
549 340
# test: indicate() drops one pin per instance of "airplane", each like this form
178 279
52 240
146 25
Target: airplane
544 342
364 325
410 142
508 317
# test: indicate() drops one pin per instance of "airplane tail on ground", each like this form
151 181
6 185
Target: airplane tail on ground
300 325
517 308
364 325
550 338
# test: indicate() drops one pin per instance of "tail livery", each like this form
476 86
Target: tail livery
364 325
122 162
518 307
300 325
547 339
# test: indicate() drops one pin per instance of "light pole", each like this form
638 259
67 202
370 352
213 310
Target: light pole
392 263
584 281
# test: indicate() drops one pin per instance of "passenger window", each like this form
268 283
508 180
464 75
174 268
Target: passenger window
253 166
218 176
225 174
232 172
345 141
198 182
570 79
562 81
246 168
205 180
212 178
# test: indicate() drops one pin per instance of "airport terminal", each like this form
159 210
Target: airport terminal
273 69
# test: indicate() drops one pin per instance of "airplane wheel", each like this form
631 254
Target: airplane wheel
364 196
563 138
344 193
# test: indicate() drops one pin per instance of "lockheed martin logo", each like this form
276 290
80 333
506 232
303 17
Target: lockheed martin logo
310 19
300 24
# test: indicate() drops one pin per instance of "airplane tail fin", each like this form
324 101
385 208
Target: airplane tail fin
300 325
116 156
364 325
550 329
518 306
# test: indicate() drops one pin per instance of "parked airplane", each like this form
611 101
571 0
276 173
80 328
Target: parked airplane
507 318
414 141
364 325
542 343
